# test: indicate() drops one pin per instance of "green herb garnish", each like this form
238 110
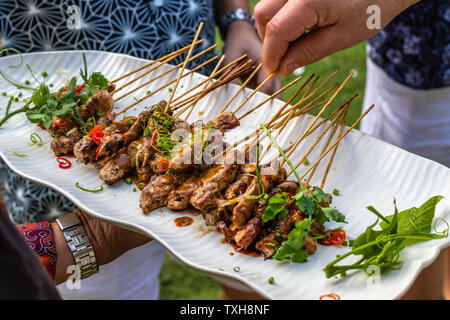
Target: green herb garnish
36 139
292 248
381 248
88 190
271 280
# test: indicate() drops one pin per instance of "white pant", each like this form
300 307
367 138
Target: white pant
132 276
414 120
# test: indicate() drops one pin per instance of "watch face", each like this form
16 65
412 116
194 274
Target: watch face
240 14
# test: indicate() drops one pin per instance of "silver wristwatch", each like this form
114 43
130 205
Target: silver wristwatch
237 14
79 244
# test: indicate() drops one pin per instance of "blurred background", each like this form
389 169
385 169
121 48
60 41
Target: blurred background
181 282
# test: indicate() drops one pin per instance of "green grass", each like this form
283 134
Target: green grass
181 282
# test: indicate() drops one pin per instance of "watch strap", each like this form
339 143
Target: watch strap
236 14
79 244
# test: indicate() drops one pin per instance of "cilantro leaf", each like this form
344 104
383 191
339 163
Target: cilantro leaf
304 203
292 248
98 79
277 206
329 214
320 196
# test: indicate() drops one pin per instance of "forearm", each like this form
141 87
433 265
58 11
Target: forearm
222 7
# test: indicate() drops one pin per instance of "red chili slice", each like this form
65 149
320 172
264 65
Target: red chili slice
338 237
64 163
56 123
154 140
333 296
333 238
79 88
161 164
97 137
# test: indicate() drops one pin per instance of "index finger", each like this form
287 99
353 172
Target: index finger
264 11
289 24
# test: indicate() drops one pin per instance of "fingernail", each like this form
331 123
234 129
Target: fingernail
290 67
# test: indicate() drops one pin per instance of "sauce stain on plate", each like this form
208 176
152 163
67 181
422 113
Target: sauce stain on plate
183 221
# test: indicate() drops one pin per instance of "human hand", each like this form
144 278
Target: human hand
242 38
109 241
333 25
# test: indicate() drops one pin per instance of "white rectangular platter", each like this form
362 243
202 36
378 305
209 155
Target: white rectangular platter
366 171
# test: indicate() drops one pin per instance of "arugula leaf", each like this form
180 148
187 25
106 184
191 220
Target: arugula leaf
277 206
292 248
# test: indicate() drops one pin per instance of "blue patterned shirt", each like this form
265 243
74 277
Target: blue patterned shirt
414 49
145 29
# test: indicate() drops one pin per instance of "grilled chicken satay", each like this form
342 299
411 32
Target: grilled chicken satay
178 199
204 197
116 168
85 149
155 193
243 181
203 134
225 121
242 231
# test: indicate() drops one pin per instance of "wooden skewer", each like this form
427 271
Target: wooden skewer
336 142
172 54
241 88
211 77
322 110
343 116
311 148
306 98
324 178
159 76
183 67
289 118
176 106
290 84
167 84
214 86
269 77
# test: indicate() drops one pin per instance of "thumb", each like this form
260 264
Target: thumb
312 47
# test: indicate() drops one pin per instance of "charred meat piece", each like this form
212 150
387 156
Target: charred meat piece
110 145
120 126
211 185
84 150
107 119
102 101
60 126
270 177
245 237
242 182
179 199
267 245
154 195
132 151
284 226
116 168
288 186
64 144
213 217
225 121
